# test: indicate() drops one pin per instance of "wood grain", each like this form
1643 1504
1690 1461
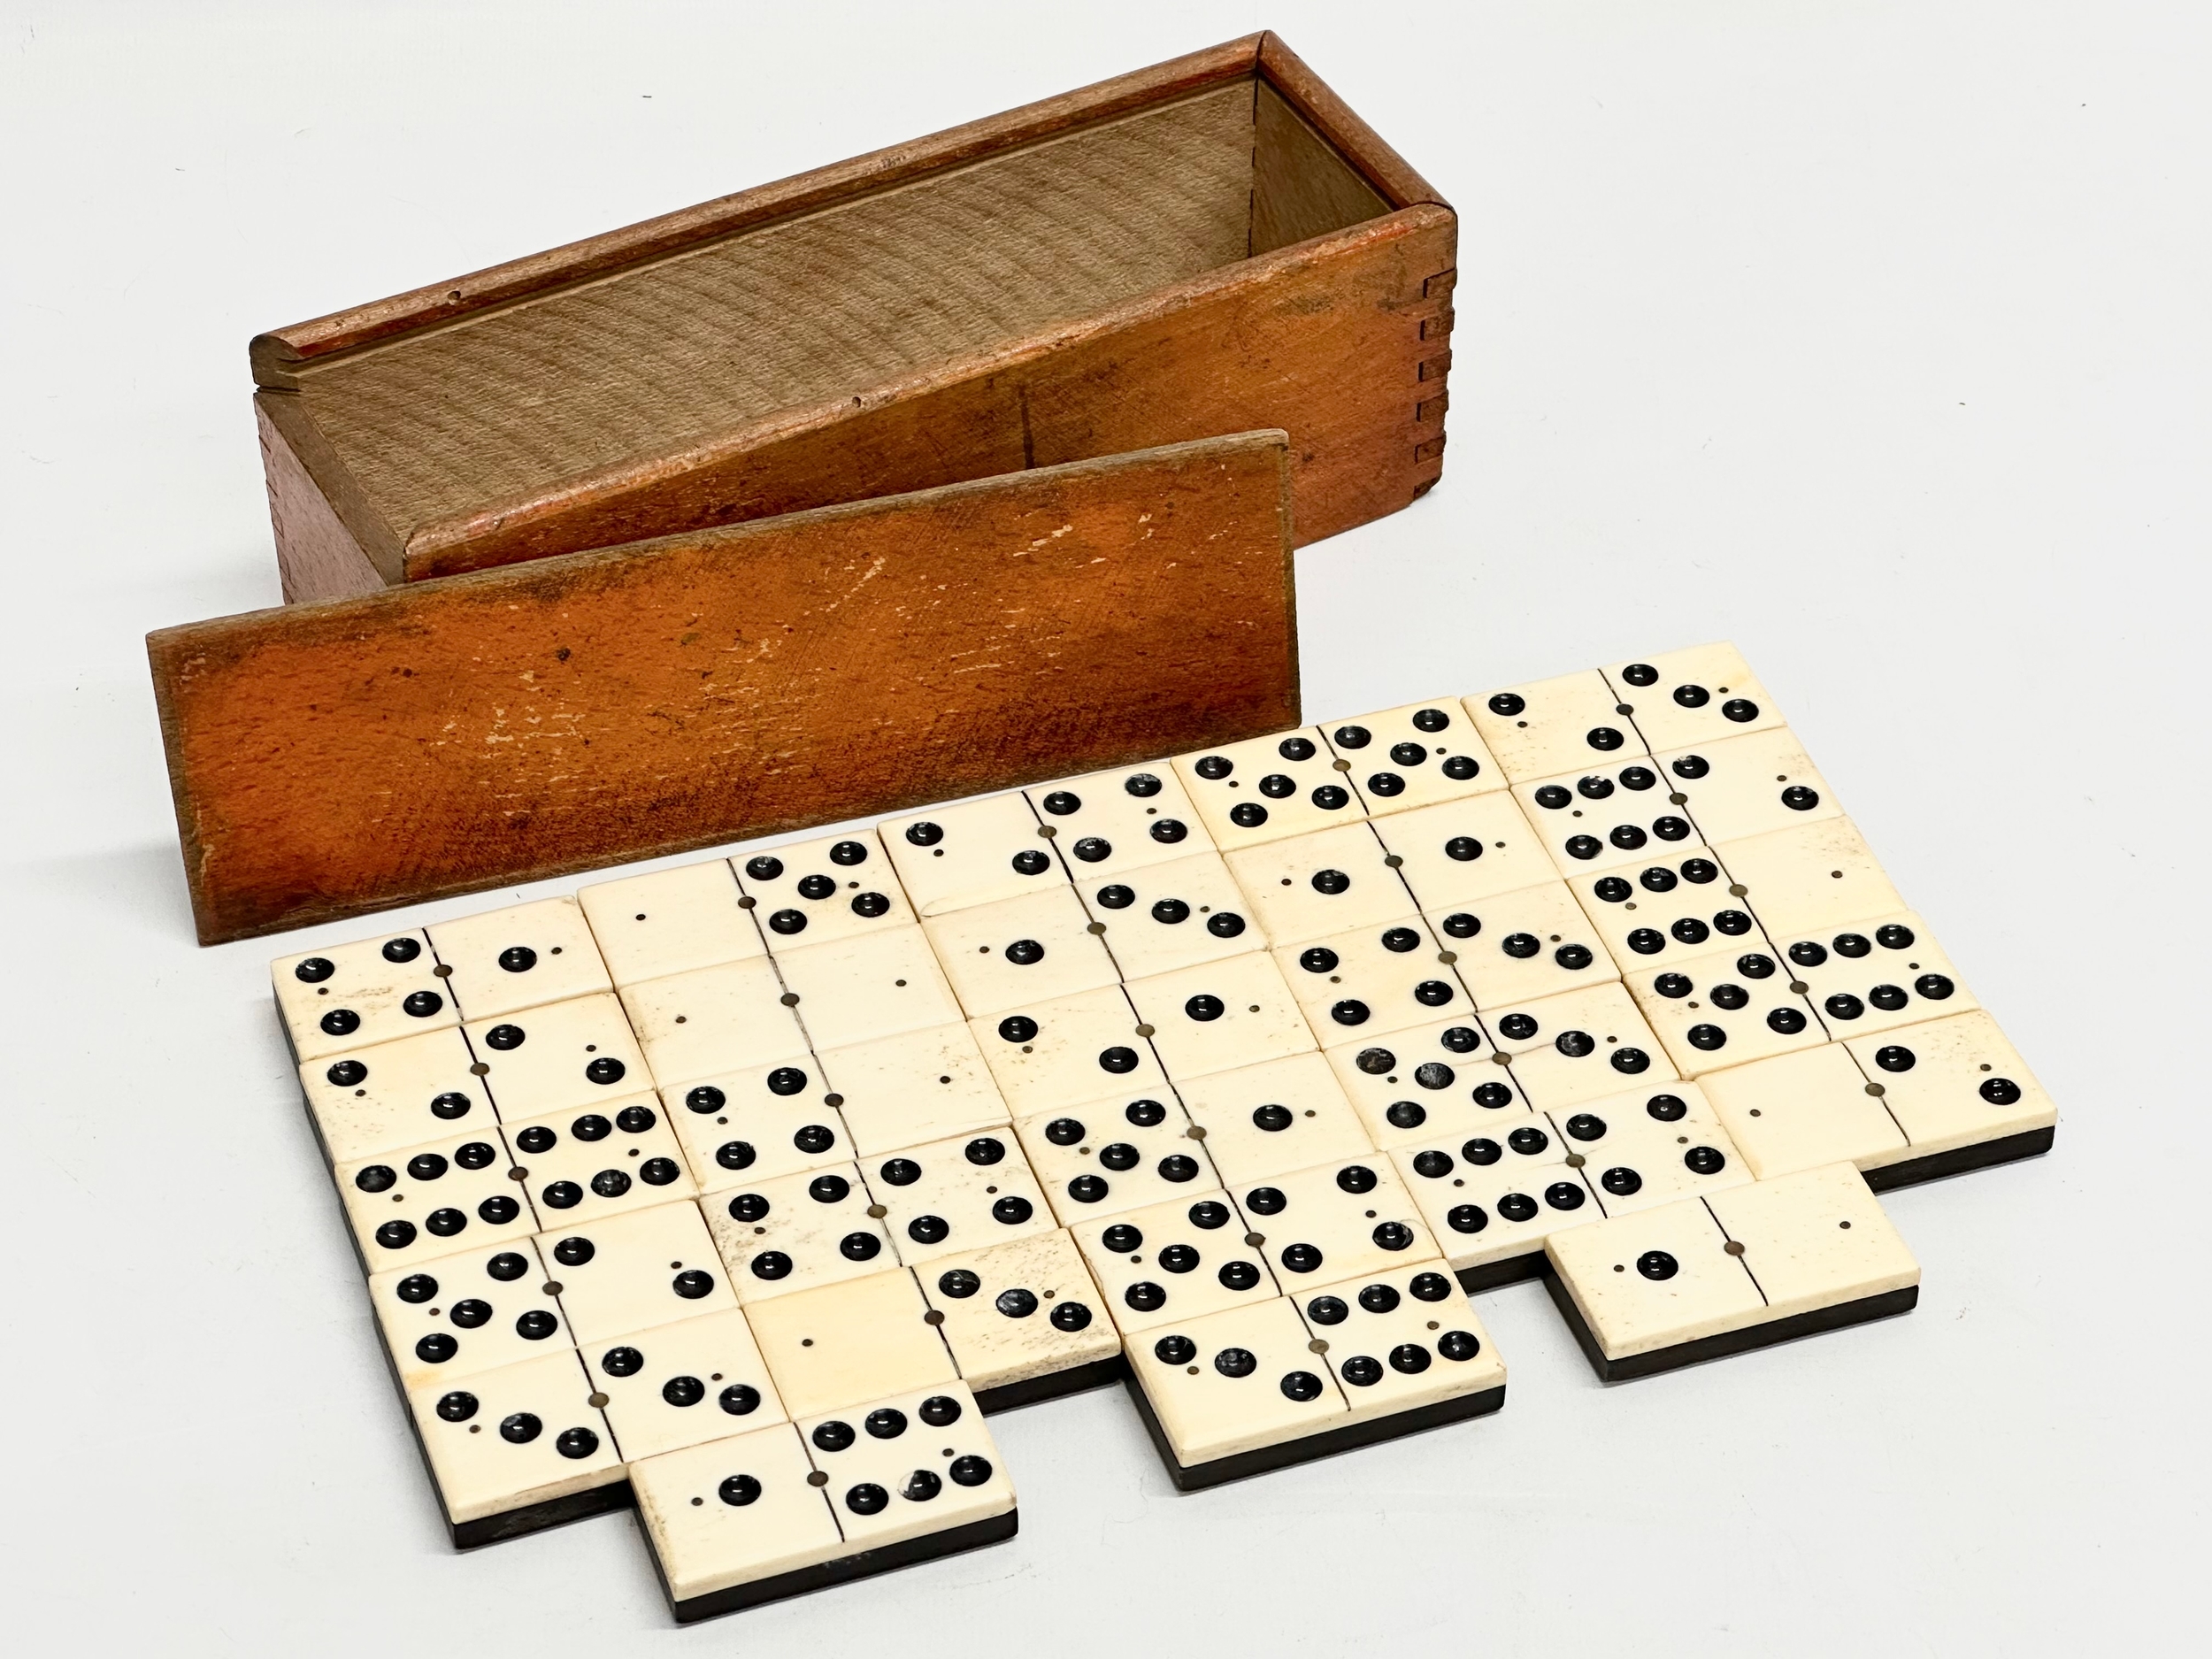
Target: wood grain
317 556
887 325
297 459
1301 187
1336 121
855 294
275 354
446 736
1322 339
1327 346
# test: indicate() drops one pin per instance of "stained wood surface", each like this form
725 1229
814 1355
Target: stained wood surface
690 372
1301 187
277 353
858 295
317 556
1322 339
1360 144
446 736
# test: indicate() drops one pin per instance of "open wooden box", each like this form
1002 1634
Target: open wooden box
1216 244
968 464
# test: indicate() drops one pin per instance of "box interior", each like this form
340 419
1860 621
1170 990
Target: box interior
799 311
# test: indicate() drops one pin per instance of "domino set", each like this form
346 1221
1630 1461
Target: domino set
747 1191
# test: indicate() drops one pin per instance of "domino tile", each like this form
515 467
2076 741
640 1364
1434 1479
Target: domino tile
1458 852
815 892
754 1125
1112 822
1268 788
1550 726
1286 1114
1415 755
1696 695
349 996
523 956
557 1054
1170 916
397 1094
795 1232
647 927
1116 1154
952 857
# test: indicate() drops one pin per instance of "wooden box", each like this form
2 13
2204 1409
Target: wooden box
570 582
1216 244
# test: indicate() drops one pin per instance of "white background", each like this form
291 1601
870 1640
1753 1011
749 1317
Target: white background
1873 336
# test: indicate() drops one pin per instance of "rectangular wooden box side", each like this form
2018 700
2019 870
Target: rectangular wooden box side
855 296
276 355
848 447
330 542
1339 130
447 736
1324 339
